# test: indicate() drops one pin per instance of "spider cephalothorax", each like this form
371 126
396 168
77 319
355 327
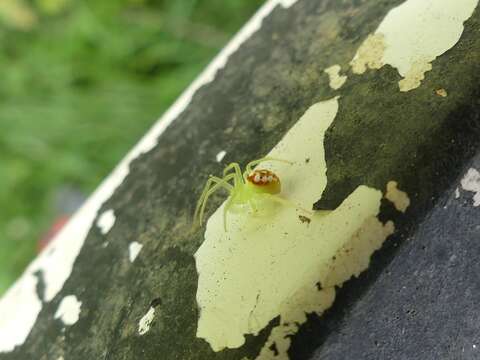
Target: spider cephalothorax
245 188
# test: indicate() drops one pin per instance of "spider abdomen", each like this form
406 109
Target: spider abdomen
265 181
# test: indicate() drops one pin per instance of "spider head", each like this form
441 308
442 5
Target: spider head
264 181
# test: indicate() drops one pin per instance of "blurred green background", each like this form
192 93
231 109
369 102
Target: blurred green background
81 82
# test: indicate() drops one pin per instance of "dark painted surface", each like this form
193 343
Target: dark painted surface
425 304
417 138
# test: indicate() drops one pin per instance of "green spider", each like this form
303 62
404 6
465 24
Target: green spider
246 189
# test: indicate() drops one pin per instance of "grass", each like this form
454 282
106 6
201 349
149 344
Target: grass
81 82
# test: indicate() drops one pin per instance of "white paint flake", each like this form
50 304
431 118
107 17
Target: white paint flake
19 309
411 36
133 250
56 266
69 310
336 80
471 182
146 321
221 155
457 193
106 221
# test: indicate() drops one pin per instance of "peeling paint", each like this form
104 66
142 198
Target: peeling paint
336 80
56 266
221 155
350 260
471 182
106 221
411 36
133 250
69 310
19 309
369 54
398 198
239 269
146 321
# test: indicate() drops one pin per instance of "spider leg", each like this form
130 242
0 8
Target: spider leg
236 168
228 205
251 164
217 183
285 202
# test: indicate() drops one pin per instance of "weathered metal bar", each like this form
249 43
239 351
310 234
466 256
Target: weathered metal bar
375 105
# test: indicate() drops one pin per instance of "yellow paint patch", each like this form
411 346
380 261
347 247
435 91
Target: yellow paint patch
441 92
369 54
414 76
398 198
413 34
268 263
336 80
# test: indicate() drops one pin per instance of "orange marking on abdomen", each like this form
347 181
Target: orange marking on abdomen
263 178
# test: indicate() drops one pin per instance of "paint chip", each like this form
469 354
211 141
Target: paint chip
471 182
221 155
398 198
146 321
106 221
336 80
441 92
457 193
69 310
133 250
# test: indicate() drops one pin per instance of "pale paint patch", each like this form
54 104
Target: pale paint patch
106 221
146 321
221 155
69 310
457 193
397 197
350 260
133 250
19 309
57 266
412 35
336 80
471 182
441 92
369 54
239 270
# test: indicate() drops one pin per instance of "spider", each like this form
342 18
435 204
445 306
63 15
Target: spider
247 188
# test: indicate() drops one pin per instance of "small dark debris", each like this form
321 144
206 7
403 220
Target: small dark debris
319 286
274 349
304 219
307 160
156 302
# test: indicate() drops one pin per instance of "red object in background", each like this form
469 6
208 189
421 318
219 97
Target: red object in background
54 229
66 200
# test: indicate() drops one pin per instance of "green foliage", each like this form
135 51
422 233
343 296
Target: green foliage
81 83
